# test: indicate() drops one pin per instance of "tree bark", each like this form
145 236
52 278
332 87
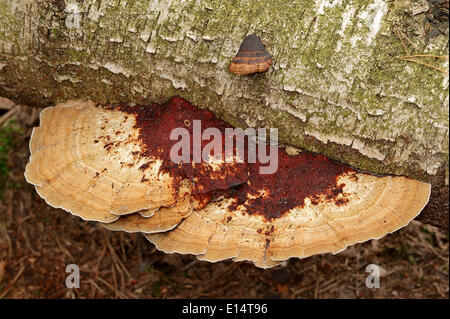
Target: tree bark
337 85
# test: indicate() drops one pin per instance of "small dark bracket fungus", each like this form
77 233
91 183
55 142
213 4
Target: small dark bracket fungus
252 57
111 164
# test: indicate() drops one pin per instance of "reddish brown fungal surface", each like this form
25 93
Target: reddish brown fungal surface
252 57
155 123
203 199
305 175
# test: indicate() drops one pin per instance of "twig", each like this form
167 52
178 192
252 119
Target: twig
114 278
408 56
397 31
117 263
439 290
426 56
6 104
189 265
301 290
2 270
406 38
428 246
124 255
64 250
212 282
58 294
97 287
5 117
333 284
99 260
27 240
423 63
115 257
8 240
118 292
11 284
316 290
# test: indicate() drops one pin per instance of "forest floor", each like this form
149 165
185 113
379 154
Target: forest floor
37 242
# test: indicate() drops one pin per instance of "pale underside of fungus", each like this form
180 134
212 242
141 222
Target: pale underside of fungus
110 164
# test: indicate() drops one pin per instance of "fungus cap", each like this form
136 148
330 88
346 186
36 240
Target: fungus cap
100 162
374 207
252 57
104 162
159 220
82 161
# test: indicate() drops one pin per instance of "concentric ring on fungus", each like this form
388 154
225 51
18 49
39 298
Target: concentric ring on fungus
103 162
272 219
100 162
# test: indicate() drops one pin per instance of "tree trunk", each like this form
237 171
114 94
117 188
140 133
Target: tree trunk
337 85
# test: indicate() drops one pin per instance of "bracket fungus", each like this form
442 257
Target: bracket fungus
324 207
112 164
100 162
252 57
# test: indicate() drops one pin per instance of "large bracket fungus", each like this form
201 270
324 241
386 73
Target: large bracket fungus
112 164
